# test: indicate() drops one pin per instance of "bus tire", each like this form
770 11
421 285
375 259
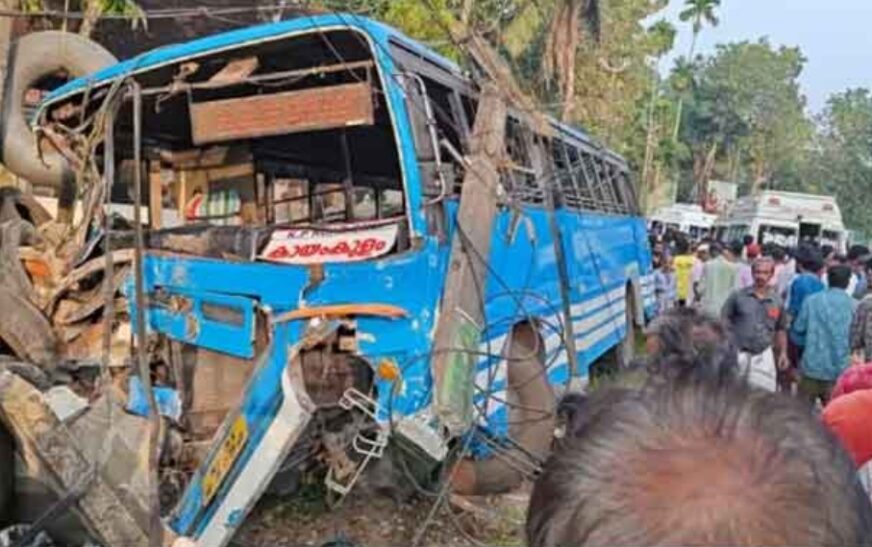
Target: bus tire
622 354
627 347
32 57
531 421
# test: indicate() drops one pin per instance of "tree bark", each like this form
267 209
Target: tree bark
89 21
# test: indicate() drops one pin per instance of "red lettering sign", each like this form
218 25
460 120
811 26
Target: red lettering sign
308 247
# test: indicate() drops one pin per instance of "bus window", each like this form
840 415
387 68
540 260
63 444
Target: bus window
779 235
522 183
629 192
435 124
582 192
831 237
809 231
563 177
735 231
613 174
592 176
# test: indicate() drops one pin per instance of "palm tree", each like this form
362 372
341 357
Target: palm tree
662 34
700 13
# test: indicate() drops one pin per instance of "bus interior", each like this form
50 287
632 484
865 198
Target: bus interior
294 133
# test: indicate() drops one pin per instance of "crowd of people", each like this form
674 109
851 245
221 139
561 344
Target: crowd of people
798 316
748 422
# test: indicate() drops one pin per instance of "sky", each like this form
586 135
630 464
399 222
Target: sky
835 36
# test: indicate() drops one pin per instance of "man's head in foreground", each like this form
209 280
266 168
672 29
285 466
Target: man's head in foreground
698 463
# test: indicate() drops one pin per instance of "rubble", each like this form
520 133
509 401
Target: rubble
75 440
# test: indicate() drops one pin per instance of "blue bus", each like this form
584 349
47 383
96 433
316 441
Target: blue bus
302 181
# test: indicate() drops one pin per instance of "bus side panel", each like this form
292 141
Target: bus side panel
521 285
605 255
645 299
613 261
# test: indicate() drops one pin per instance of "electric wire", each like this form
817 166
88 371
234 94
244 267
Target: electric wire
473 253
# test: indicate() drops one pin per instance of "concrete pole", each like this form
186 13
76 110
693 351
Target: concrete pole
6 23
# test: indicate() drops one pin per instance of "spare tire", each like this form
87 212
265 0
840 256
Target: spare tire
33 57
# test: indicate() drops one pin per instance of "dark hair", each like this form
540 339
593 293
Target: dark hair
736 247
809 258
778 253
827 250
682 247
691 343
857 252
839 277
691 462
748 239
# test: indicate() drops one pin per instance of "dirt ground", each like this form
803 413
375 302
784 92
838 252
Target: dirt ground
365 520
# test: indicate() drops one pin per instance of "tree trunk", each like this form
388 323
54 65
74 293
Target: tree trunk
466 12
650 187
567 71
91 16
707 173
679 109
760 177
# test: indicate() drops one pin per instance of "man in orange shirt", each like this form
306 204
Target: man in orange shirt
849 418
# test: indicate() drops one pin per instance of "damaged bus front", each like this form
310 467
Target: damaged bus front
304 184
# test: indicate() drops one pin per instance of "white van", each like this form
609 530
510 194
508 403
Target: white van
785 218
687 218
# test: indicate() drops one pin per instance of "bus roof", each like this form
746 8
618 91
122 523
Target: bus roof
787 207
180 52
680 213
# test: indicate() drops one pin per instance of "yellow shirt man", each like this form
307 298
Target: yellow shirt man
683 265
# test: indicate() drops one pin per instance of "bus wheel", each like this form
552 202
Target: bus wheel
531 421
627 348
622 354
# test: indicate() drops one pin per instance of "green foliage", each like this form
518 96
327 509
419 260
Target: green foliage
613 77
744 118
741 111
661 37
700 12
840 161
126 8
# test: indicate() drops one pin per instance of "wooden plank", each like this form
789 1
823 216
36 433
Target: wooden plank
312 109
155 196
460 320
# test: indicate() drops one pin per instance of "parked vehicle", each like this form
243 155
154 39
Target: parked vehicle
331 192
785 218
686 218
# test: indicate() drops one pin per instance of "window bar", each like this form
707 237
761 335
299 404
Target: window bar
348 183
565 149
